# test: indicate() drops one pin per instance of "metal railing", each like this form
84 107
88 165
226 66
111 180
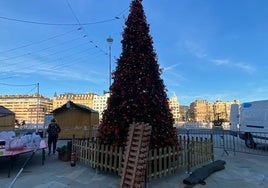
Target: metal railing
231 141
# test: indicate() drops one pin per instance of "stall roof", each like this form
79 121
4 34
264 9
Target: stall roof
4 111
71 104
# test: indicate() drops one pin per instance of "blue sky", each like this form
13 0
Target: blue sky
211 50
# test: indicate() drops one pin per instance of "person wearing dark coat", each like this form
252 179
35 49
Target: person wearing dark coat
53 131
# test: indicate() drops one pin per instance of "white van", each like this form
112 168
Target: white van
249 120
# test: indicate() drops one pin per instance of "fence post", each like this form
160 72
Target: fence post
98 148
73 146
212 145
234 142
188 152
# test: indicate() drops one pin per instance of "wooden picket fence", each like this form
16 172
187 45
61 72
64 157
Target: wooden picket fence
191 152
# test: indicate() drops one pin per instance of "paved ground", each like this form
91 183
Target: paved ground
241 170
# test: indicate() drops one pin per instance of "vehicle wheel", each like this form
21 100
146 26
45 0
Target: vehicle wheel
249 141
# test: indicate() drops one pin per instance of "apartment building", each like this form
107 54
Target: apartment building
175 107
222 109
84 99
199 110
204 111
32 108
28 108
100 103
91 100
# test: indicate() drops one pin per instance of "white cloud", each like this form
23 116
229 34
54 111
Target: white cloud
171 67
52 72
220 61
195 49
245 67
172 74
232 64
200 53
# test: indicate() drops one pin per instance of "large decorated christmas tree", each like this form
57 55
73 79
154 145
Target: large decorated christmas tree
138 93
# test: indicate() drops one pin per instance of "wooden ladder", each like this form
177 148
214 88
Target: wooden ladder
135 156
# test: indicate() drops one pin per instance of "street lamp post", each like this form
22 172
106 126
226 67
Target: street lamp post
37 107
110 42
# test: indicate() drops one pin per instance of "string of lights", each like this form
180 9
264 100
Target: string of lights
31 55
84 29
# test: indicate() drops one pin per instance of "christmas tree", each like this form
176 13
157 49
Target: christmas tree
138 93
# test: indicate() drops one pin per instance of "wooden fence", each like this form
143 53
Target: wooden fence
193 151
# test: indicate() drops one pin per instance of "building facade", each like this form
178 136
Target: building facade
32 108
222 109
100 103
84 99
199 111
175 108
28 108
204 111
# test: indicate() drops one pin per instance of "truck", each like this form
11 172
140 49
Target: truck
249 121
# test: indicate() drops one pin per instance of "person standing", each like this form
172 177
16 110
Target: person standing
53 131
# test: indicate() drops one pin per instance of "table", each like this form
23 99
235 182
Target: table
12 154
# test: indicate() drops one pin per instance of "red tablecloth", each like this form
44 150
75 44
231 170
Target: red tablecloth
13 153
6 153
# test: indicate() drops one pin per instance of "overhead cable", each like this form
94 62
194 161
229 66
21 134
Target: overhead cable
17 85
79 23
40 41
58 24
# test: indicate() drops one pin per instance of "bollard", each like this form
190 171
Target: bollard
73 159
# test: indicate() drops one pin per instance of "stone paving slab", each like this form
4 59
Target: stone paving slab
241 170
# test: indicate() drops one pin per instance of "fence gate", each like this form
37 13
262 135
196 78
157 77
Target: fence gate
135 156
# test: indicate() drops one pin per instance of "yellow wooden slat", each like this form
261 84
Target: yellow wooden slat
192 152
